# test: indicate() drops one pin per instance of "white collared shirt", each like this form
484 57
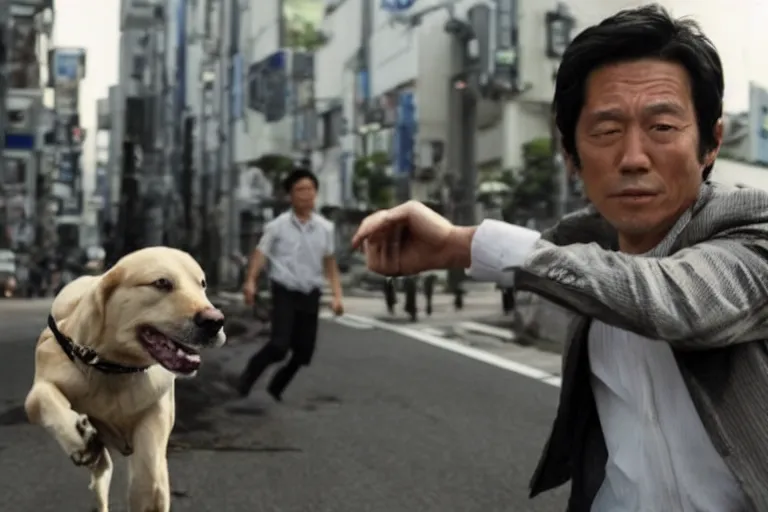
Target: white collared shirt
295 250
660 457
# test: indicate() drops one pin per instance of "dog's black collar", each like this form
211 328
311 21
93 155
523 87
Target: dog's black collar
88 356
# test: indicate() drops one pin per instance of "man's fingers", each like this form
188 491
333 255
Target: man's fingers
374 255
370 225
379 222
382 255
392 250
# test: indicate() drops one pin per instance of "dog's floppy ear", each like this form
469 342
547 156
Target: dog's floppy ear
104 289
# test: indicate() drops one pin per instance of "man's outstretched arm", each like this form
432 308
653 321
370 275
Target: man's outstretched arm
712 294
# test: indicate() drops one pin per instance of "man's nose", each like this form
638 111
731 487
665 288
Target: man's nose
634 159
210 320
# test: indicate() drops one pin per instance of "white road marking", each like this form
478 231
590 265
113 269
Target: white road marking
496 332
348 320
459 348
431 330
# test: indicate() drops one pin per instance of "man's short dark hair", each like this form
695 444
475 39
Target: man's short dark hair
296 175
632 34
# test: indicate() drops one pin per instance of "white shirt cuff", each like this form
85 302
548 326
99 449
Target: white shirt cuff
497 246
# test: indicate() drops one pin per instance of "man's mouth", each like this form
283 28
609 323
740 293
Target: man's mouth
635 196
171 355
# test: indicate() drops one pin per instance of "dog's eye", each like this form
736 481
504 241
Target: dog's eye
203 283
163 284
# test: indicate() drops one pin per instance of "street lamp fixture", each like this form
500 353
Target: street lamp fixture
559 27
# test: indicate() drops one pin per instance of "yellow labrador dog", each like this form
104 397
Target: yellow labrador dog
105 367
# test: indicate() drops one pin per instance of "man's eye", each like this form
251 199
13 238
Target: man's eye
663 127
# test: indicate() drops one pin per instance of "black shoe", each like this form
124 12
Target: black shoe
281 380
276 395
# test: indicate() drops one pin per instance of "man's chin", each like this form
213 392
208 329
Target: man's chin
638 236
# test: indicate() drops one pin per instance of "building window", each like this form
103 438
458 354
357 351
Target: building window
332 127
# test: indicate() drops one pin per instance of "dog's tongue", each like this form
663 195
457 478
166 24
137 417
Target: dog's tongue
179 362
171 357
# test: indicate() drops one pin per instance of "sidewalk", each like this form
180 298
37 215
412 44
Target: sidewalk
478 302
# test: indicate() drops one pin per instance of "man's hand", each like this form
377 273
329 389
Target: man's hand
249 291
337 307
411 238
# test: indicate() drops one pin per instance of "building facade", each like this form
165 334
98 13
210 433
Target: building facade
212 93
407 53
26 28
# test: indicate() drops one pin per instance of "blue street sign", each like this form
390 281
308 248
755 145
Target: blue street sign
236 88
267 86
397 5
19 141
405 134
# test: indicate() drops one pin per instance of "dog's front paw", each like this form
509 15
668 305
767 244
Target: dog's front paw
92 448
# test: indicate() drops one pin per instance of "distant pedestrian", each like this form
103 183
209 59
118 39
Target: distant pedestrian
299 245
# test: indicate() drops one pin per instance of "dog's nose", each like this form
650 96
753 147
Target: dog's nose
209 320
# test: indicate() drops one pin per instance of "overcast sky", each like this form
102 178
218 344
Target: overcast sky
737 27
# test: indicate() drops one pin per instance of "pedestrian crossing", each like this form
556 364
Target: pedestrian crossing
354 322
444 330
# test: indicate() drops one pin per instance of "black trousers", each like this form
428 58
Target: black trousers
294 331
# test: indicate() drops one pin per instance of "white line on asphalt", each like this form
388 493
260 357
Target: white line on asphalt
458 348
433 331
496 332
347 320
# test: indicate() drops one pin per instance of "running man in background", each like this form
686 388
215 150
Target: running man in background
299 244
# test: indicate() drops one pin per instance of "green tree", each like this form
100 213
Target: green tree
275 168
303 35
370 182
534 186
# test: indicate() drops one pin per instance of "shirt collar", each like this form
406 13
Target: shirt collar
308 225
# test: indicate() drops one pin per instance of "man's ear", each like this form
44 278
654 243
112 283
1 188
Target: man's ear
711 156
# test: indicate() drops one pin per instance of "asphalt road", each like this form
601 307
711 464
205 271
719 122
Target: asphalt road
379 423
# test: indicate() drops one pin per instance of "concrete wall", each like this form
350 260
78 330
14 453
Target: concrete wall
259 32
334 80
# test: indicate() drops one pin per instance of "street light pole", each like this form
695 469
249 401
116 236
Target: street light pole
207 79
156 186
559 25
5 49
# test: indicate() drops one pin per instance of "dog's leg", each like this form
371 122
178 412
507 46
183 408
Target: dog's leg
48 407
101 477
148 486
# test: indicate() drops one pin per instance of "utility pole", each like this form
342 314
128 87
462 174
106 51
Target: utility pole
465 92
154 181
217 230
466 86
235 75
487 49
559 25
5 49
205 178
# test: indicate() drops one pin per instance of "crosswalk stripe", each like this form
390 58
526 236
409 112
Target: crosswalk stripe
431 330
350 321
496 332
